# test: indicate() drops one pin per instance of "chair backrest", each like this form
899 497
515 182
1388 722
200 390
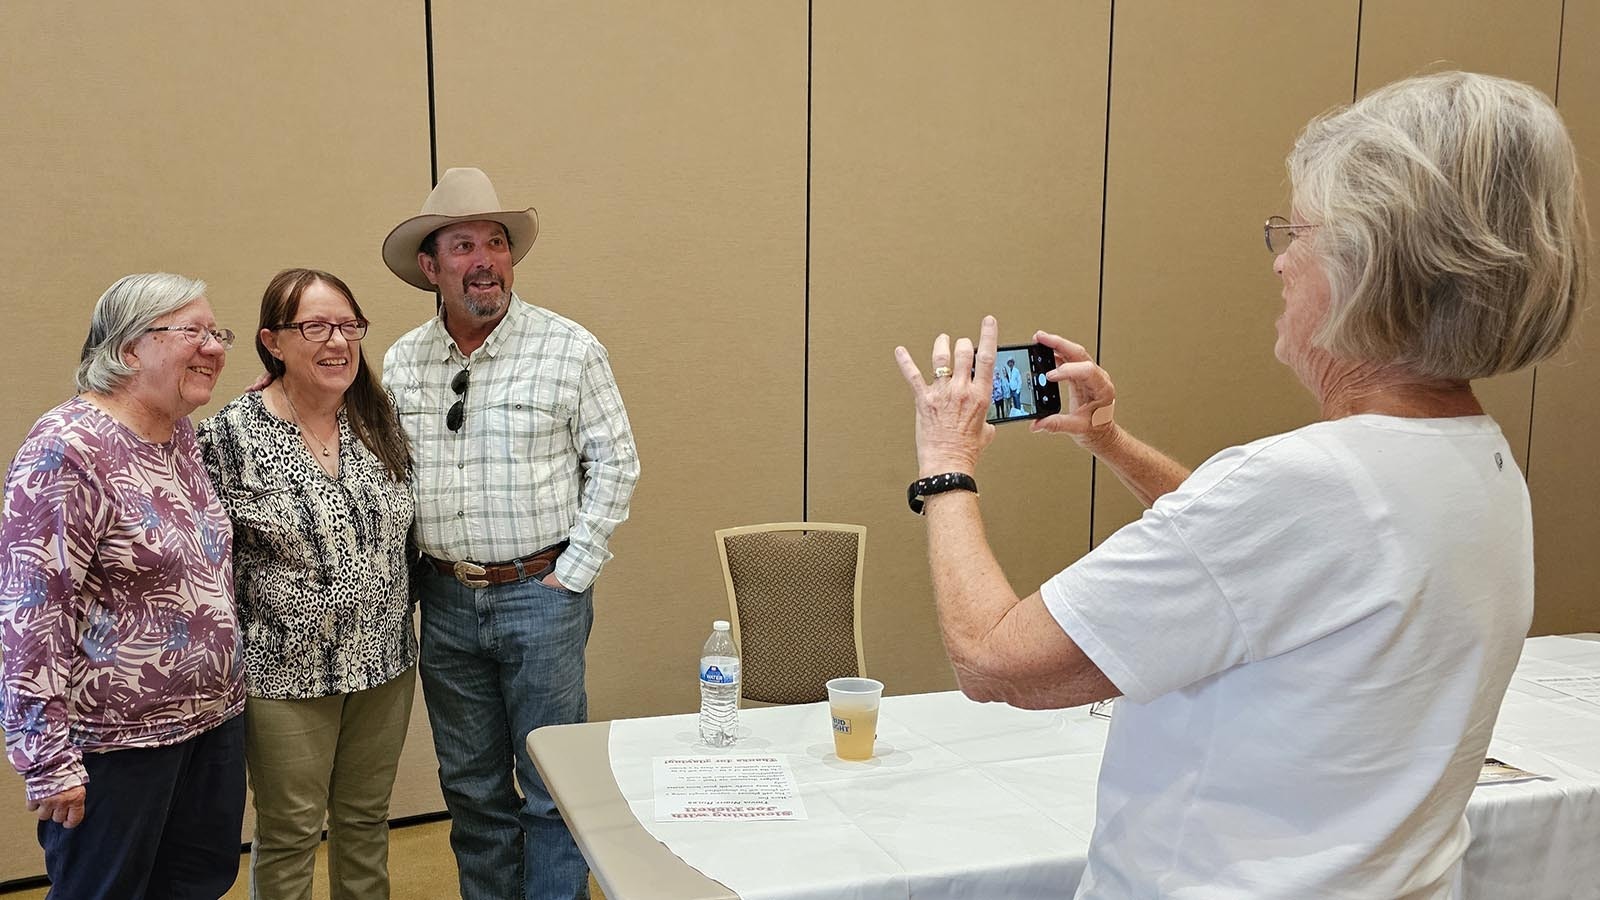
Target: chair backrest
794 591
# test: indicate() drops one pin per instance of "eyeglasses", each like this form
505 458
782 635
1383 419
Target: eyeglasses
457 416
1289 233
198 336
322 332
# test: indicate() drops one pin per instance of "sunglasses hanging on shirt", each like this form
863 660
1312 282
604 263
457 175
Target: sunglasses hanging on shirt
457 416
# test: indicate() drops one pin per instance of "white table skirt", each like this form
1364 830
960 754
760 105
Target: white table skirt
981 800
1541 839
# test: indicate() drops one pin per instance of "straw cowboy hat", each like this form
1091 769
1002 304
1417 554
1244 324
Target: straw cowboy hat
462 195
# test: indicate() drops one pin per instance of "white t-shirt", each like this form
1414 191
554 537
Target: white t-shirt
1313 635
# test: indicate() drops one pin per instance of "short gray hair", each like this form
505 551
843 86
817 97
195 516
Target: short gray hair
122 314
1451 225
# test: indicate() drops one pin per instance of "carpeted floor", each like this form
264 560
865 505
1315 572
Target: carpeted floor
420 868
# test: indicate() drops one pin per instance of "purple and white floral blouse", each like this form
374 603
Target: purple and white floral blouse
117 616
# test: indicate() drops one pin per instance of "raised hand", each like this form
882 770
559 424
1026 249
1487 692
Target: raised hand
951 431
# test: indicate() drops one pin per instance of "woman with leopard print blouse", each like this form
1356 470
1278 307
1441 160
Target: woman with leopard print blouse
315 474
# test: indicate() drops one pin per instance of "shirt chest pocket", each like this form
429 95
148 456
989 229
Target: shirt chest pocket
423 423
530 415
528 429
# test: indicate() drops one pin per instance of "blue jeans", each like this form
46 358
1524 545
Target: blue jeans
498 662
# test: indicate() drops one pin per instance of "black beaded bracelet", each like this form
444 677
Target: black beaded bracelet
937 484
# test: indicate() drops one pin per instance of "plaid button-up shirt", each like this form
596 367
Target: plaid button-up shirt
544 453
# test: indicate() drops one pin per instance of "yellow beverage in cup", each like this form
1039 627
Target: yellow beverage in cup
853 706
854 731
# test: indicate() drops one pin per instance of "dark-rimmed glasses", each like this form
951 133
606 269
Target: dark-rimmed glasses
198 336
322 332
1288 232
457 416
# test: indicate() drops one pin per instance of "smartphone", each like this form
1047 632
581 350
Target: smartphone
1021 391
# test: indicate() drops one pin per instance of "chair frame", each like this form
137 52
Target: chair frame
860 531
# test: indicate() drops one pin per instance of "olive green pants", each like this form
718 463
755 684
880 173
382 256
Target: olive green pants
327 759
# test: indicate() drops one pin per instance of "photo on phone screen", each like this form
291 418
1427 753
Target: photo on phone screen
1021 391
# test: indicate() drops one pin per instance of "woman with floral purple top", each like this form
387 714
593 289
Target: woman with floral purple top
120 682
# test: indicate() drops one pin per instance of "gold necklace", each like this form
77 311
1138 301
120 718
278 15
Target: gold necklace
304 429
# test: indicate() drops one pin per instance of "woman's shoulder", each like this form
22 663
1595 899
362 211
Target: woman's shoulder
60 437
1278 468
240 412
74 426
242 423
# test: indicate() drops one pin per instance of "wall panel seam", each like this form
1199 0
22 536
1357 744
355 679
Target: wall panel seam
1105 186
805 324
433 120
1533 389
1355 79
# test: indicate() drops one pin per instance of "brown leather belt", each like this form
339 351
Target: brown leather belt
478 575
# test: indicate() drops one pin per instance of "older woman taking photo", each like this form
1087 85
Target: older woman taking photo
1312 631
315 474
121 692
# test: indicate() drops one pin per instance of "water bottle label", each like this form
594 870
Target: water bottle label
720 671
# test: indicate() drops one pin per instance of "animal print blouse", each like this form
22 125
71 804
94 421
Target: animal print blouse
319 562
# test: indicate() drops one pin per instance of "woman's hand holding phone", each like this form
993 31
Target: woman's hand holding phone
1091 397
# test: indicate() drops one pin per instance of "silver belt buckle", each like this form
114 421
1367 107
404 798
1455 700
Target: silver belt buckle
463 569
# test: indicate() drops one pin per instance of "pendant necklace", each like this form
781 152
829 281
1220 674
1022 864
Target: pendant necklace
304 429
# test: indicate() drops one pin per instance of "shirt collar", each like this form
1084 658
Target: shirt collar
444 345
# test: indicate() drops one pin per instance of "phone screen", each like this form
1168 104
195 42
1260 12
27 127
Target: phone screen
1020 391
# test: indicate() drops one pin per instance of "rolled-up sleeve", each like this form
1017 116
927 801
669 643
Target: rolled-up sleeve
610 461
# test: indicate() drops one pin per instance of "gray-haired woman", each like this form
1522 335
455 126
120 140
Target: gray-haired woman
121 690
1313 631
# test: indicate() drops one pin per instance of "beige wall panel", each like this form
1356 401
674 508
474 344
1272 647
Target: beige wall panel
956 171
664 145
1206 100
1400 38
221 142
1562 475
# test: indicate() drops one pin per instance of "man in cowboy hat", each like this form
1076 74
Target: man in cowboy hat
524 465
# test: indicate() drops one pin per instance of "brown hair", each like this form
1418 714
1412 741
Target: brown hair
367 406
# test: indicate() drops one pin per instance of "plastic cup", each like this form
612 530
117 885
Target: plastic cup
853 705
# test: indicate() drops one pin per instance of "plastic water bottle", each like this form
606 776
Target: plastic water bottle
719 687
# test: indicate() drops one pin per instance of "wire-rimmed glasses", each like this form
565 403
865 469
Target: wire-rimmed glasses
1287 232
197 335
457 416
322 332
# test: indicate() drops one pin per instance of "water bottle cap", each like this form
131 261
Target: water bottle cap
720 625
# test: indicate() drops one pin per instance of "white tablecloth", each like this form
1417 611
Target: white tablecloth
1541 839
981 800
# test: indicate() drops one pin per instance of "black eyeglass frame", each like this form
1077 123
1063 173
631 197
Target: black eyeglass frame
344 328
198 335
457 416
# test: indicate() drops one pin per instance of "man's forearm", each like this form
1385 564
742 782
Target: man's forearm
1143 469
